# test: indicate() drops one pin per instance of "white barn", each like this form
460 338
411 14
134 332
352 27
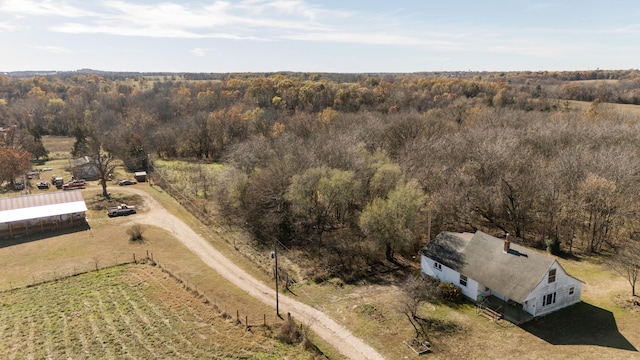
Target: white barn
490 270
42 212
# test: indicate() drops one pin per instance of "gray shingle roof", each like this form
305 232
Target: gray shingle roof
480 257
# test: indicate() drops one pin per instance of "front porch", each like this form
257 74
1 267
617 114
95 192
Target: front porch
510 311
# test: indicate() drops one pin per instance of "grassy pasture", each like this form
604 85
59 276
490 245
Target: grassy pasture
59 147
133 311
623 108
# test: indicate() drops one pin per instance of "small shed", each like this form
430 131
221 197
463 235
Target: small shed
84 168
37 213
140 176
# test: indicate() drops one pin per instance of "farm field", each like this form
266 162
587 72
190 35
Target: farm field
130 311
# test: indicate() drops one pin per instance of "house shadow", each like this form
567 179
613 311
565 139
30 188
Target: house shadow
39 235
580 324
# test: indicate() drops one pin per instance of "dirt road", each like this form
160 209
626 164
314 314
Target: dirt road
321 324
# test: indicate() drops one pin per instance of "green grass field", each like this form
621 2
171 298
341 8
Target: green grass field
132 311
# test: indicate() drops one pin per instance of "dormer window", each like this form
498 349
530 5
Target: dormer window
552 275
437 266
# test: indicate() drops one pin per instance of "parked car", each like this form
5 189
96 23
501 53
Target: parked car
43 185
121 210
126 182
18 185
74 184
57 181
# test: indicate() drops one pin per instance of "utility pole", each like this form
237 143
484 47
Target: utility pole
275 255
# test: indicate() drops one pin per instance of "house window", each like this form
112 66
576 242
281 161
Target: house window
571 290
437 266
549 299
552 275
463 280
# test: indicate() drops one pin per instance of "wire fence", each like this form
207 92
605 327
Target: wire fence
224 310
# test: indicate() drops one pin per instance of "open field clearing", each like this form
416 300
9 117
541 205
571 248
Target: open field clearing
623 108
131 311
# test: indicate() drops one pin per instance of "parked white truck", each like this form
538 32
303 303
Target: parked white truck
121 210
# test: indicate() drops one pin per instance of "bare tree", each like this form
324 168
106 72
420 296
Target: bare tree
416 289
626 262
104 159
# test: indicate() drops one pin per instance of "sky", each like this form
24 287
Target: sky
347 36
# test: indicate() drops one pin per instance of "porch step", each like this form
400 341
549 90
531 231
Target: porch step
491 314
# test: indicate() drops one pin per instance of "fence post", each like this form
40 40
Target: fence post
134 258
246 321
237 315
264 319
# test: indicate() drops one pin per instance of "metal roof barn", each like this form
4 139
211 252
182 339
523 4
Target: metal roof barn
42 205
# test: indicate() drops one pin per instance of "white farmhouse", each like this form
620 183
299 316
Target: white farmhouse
518 282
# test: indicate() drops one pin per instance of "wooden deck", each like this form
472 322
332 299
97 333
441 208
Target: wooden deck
492 307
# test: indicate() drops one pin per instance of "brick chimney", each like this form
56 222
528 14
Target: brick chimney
507 244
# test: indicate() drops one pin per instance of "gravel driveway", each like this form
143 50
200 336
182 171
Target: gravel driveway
322 325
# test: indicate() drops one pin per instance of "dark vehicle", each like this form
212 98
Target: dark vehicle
18 185
74 184
57 182
121 210
126 182
43 185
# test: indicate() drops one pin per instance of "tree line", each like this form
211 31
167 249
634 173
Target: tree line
350 172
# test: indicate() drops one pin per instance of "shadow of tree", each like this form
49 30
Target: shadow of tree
445 248
580 324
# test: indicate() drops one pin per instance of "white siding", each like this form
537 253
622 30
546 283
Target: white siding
446 274
471 290
536 303
533 303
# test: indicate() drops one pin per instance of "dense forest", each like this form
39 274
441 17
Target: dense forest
354 168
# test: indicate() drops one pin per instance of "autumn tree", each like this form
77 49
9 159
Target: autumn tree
13 163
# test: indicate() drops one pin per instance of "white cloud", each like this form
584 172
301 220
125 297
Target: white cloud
247 20
42 8
152 32
8 27
375 38
55 49
198 51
